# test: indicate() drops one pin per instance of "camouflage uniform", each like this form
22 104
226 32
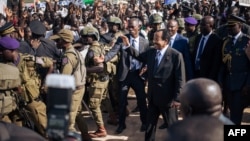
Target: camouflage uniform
98 81
31 84
9 80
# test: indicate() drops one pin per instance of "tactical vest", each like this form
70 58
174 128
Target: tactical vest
79 71
31 81
9 79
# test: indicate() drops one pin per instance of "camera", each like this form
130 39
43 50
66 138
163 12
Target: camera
60 89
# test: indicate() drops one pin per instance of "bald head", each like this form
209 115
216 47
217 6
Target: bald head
201 96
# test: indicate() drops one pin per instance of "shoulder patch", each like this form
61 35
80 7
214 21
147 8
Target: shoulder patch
65 61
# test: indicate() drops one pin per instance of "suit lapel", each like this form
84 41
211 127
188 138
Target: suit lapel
141 45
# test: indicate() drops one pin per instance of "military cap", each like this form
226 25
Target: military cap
64 34
191 20
233 19
7 28
198 17
37 27
155 18
9 43
89 30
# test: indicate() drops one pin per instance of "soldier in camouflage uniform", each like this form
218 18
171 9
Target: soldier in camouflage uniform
155 21
109 40
28 66
97 77
72 63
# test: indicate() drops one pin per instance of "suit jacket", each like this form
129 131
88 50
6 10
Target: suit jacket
211 57
165 83
124 57
181 44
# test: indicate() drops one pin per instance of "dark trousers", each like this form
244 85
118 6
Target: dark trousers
152 119
137 84
237 102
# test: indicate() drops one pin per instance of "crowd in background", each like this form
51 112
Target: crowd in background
210 40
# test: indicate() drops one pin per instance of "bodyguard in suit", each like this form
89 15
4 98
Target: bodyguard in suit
207 51
166 76
236 69
180 43
128 73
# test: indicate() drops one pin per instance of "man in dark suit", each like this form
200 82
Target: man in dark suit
236 70
166 76
207 51
128 73
180 43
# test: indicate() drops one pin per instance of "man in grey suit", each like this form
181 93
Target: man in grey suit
166 76
128 73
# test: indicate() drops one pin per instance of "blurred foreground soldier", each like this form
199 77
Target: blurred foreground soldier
191 32
155 22
28 66
72 63
202 96
10 81
11 132
97 77
235 69
197 128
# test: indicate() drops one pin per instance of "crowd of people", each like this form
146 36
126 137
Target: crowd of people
191 56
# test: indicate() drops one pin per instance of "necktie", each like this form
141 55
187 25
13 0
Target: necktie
234 40
157 60
171 42
132 61
200 49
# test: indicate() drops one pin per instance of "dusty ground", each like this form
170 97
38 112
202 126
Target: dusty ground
132 133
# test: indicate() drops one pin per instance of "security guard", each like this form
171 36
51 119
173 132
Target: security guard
97 77
235 75
155 21
72 63
28 66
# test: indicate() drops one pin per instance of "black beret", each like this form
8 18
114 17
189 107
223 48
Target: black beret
37 27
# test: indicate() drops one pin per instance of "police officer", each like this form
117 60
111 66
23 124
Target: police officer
235 69
72 63
191 32
28 66
155 22
7 30
97 77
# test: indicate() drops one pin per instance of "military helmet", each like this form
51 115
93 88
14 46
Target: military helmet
155 19
89 30
115 20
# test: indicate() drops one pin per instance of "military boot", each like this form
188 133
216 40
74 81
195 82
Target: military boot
112 120
100 132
